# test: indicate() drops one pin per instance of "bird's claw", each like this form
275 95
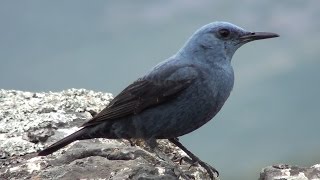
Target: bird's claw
180 160
194 159
187 159
211 170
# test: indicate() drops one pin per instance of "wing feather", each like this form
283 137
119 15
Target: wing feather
139 96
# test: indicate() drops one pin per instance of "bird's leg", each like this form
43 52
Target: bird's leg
187 159
195 159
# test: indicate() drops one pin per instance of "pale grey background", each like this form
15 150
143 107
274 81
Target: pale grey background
272 115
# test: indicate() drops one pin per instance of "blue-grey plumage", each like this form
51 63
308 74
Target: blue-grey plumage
177 96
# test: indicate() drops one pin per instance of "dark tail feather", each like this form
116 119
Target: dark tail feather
78 135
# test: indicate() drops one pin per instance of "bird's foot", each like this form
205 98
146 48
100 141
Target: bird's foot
195 160
211 170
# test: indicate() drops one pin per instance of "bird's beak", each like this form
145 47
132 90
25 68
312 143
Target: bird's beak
252 36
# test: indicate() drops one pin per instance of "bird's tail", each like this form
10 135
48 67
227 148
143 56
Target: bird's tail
78 135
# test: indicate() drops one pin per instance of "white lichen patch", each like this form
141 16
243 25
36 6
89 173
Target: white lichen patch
2 137
287 176
14 169
33 164
302 176
17 146
161 170
285 172
68 131
196 175
111 141
317 166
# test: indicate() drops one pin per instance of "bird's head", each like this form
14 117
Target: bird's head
222 39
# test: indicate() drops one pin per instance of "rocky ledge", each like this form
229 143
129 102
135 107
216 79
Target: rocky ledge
31 121
287 172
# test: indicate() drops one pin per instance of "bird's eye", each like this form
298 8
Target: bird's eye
224 33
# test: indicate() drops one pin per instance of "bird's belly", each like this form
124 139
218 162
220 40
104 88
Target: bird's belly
180 116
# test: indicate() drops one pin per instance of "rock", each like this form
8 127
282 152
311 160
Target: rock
31 121
287 172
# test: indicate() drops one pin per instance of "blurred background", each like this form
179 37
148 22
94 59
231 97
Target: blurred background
272 115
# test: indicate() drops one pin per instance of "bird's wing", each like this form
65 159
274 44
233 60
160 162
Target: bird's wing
138 96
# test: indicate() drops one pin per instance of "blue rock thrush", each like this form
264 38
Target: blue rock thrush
177 96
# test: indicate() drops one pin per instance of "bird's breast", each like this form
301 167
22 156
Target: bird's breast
212 92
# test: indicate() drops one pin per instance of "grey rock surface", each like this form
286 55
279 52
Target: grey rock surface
287 172
31 121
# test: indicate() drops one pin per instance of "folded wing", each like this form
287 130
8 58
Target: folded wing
138 96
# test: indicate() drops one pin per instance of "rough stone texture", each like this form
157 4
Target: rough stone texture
287 172
30 121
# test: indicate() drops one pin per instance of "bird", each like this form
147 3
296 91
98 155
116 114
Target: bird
177 96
